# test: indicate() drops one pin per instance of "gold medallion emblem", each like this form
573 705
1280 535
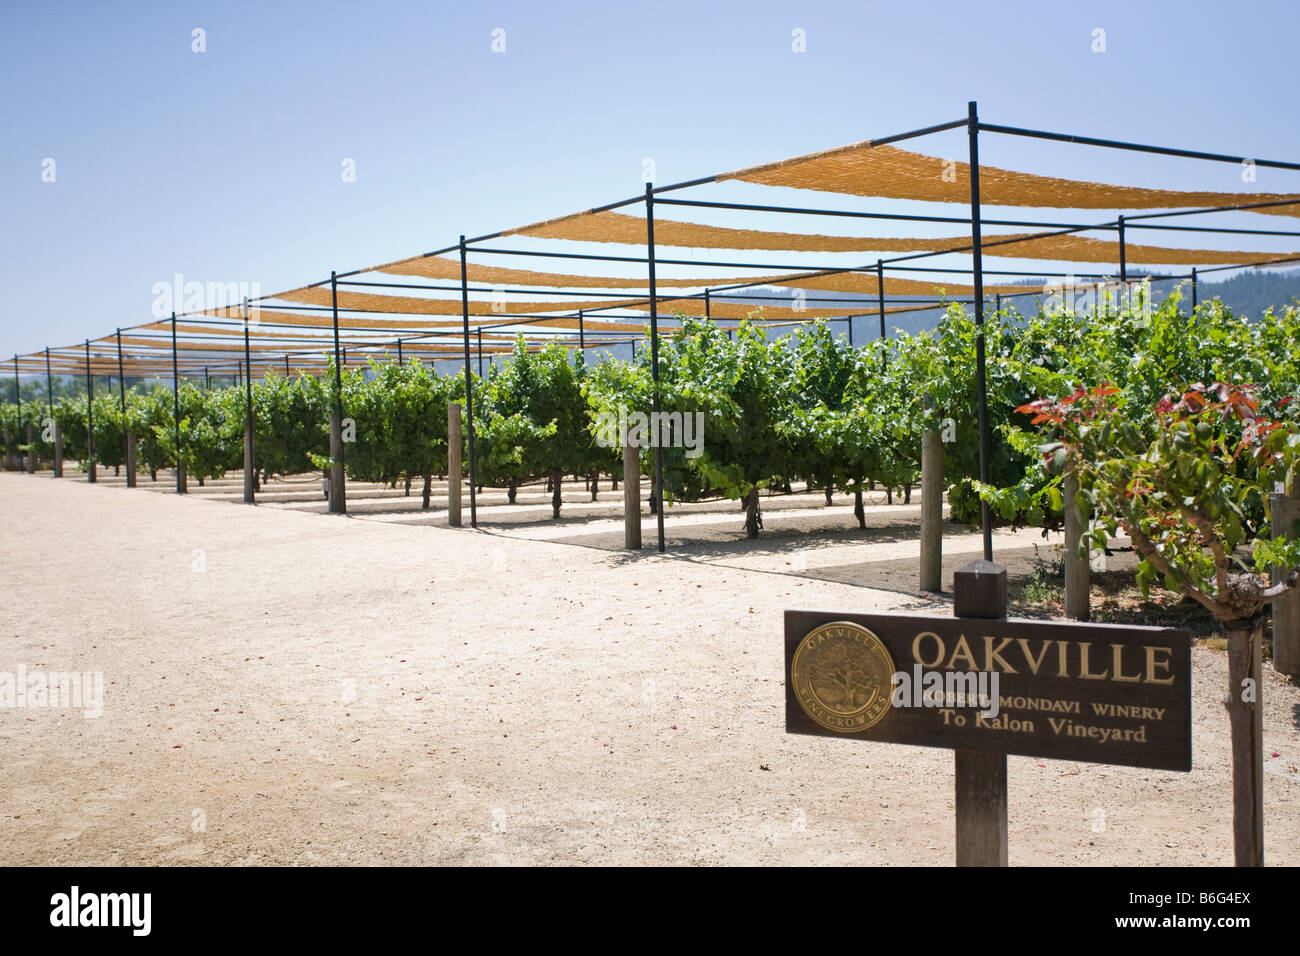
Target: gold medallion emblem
842 676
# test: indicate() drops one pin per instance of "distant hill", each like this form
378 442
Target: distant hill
1248 293
1252 293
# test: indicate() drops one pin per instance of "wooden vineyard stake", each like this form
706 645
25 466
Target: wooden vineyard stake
980 781
453 464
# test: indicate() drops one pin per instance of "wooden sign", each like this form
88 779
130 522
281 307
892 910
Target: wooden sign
1095 693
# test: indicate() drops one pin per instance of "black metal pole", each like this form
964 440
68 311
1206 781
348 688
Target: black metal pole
1140 147
880 305
977 268
657 492
248 399
338 472
1123 257
287 373
207 380
708 310
469 386
90 417
849 319
582 340
338 368
399 351
18 395
176 411
1194 290
121 390
479 333
49 382
121 381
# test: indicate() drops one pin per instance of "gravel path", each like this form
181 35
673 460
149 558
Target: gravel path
284 686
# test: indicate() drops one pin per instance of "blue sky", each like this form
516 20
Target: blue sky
226 165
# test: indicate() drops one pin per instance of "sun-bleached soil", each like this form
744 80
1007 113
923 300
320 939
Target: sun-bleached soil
284 686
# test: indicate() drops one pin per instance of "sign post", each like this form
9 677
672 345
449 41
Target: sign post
980 778
985 686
